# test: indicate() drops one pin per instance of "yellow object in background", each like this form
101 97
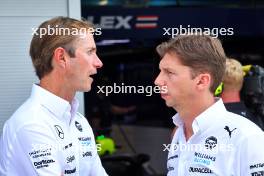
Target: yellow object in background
246 69
107 145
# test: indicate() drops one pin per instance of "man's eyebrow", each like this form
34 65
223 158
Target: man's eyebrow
166 68
91 48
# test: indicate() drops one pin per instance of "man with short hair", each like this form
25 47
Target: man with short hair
232 85
46 135
209 139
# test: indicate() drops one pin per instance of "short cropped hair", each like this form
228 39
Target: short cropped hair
234 75
42 46
202 53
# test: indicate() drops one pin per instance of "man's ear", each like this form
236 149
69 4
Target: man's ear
59 57
203 81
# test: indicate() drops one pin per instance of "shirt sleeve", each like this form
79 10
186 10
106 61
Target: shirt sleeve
251 155
39 154
97 168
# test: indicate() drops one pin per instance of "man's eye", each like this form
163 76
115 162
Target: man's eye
90 52
169 72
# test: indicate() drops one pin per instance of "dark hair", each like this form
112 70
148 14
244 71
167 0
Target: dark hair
203 54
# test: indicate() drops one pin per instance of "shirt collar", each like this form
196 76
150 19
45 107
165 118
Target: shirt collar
57 105
203 120
206 118
177 120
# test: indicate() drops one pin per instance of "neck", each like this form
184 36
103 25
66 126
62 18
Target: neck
230 96
192 110
57 86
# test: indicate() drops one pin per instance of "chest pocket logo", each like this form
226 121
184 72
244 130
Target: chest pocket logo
59 131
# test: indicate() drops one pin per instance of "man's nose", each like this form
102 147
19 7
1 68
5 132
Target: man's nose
97 62
158 80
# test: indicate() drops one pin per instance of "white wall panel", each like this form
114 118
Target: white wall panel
17 18
32 8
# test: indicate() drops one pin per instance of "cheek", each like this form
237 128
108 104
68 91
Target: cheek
178 85
86 63
77 70
173 81
81 66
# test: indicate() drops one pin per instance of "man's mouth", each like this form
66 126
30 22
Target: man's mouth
164 95
93 75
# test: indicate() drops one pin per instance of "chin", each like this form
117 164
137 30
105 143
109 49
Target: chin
86 88
169 103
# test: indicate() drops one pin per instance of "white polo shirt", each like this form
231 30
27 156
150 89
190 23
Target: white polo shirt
47 136
223 144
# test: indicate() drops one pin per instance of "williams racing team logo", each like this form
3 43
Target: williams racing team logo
210 142
59 131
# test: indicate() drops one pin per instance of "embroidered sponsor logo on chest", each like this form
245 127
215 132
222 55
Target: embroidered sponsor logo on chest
203 158
69 159
259 173
70 171
200 170
59 131
256 165
40 153
173 157
86 154
85 141
67 146
43 163
78 126
210 142
170 168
